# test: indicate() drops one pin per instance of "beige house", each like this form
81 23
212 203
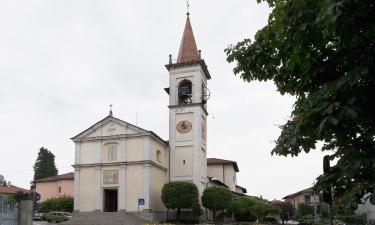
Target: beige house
304 196
55 186
226 172
122 167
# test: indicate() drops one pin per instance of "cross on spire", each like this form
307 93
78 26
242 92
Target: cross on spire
110 110
187 8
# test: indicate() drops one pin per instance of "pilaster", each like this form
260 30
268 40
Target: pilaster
76 188
98 152
122 183
98 189
146 186
77 153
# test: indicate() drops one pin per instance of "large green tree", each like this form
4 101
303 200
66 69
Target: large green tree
45 164
321 52
216 198
179 195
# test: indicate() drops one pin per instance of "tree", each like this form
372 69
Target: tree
321 52
179 195
3 182
287 210
250 208
196 209
241 208
216 198
263 209
304 210
45 164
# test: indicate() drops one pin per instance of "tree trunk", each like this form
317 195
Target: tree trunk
167 214
214 215
178 214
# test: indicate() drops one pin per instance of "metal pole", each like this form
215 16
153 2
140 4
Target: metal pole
330 222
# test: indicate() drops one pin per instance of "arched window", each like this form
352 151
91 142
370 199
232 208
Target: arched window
185 92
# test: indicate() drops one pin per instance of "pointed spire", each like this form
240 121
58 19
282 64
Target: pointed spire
188 49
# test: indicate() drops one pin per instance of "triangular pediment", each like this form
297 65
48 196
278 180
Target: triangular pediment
109 126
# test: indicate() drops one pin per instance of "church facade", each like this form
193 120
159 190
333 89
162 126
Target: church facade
122 167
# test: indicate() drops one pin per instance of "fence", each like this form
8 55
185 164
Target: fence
8 213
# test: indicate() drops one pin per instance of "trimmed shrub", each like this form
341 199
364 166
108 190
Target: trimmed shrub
216 198
179 195
63 203
196 209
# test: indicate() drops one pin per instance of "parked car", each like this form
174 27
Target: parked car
58 217
37 216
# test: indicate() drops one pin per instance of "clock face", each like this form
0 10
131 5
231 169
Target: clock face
184 126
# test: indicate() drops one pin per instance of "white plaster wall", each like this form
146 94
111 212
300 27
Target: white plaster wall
157 146
88 150
87 189
134 187
134 149
158 179
215 171
180 169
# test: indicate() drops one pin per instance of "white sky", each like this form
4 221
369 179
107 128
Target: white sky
63 62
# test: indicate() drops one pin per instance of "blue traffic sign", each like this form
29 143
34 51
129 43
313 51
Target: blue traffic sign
141 201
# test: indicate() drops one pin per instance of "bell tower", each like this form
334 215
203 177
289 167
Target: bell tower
188 95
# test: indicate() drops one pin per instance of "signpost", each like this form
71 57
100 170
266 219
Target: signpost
141 201
327 195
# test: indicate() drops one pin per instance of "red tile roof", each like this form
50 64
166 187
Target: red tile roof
11 190
213 161
188 49
66 176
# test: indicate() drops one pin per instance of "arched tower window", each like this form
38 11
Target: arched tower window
185 92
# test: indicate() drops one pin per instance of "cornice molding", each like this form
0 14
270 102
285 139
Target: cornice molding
141 162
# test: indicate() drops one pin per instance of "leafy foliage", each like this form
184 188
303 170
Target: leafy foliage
286 210
45 164
3 182
216 198
250 208
241 208
304 210
63 203
263 209
321 52
179 195
196 209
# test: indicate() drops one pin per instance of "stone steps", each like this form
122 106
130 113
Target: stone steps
105 218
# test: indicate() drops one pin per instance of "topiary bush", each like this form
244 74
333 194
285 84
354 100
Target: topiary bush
241 208
216 198
179 195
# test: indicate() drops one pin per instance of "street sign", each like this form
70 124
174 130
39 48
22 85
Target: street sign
36 196
141 201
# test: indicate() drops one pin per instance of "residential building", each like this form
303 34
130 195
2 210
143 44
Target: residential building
304 196
55 186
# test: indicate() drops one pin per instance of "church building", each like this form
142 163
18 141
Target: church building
122 167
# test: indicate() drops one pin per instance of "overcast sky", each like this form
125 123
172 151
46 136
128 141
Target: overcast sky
63 62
